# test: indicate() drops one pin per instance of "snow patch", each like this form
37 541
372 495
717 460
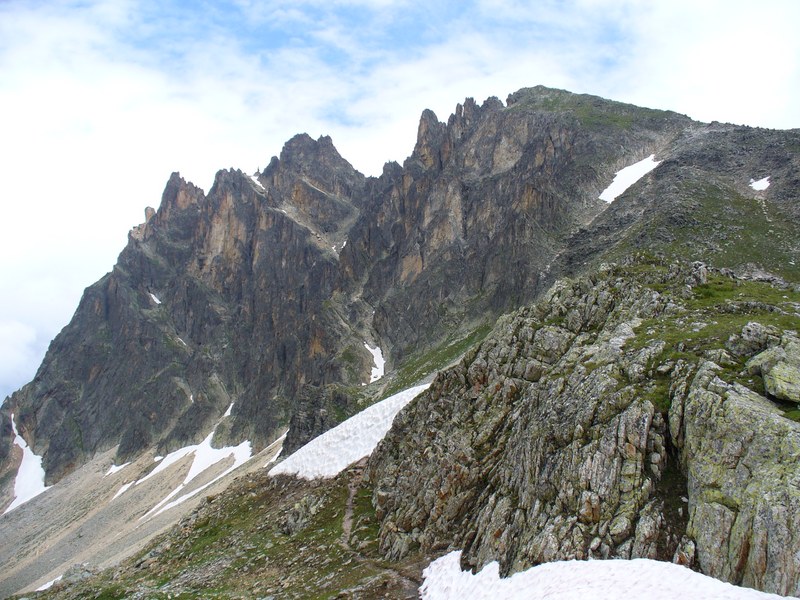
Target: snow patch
164 462
378 362
760 185
205 456
115 469
49 584
626 177
153 297
254 179
29 482
123 489
272 446
228 412
578 580
336 449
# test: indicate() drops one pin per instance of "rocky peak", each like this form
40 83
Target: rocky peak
178 196
315 162
467 115
313 258
430 135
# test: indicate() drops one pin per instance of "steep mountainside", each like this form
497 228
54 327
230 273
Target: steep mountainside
631 413
583 423
699 205
643 408
263 291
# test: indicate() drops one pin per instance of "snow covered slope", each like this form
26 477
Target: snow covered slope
336 449
578 580
626 177
29 482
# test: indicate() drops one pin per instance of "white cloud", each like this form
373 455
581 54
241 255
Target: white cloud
724 61
18 351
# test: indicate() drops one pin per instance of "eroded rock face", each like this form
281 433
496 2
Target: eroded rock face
741 459
538 446
216 301
268 285
553 439
472 221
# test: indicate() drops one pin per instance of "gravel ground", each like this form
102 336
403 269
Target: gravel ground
78 520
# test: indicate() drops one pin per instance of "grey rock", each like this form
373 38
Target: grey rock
783 381
780 368
741 455
753 338
527 471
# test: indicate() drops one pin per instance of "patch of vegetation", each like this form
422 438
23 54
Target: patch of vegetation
793 414
261 537
658 394
709 315
112 592
418 366
592 112
366 527
720 226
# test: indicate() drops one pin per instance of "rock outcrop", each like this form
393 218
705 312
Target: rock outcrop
259 294
538 446
780 368
608 420
741 456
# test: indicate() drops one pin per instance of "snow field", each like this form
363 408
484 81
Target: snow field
272 447
49 584
254 179
578 580
378 363
336 449
626 177
760 185
29 482
115 469
205 456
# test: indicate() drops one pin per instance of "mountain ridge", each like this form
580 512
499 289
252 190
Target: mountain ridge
209 254
249 308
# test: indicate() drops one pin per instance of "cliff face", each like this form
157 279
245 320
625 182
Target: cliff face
624 415
216 300
262 291
647 409
539 446
471 223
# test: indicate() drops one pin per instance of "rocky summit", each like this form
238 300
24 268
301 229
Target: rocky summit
610 379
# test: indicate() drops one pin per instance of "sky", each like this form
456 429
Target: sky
100 100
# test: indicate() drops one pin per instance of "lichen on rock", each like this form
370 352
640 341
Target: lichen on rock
594 424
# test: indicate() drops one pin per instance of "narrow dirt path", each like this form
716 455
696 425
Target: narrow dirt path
408 581
352 489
